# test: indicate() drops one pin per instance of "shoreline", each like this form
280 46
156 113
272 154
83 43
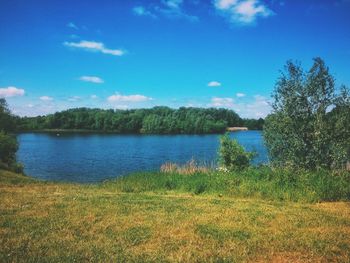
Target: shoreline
83 131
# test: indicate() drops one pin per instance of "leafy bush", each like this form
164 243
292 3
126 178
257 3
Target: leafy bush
232 155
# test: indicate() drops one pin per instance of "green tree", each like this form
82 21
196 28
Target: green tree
8 143
8 149
232 155
7 121
301 130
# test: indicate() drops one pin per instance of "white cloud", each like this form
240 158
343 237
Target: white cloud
141 11
92 79
221 102
93 97
242 12
259 107
173 10
224 4
214 84
72 25
32 110
94 46
11 92
175 4
240 95
46 98
128 98
74 98
166 8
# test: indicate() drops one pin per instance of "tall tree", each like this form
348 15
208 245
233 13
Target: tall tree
7 121
8 142
301 130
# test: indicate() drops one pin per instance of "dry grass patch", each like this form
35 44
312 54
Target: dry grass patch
61 222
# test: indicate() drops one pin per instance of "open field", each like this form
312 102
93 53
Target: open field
113 222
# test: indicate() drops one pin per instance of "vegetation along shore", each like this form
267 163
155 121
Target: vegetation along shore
157 120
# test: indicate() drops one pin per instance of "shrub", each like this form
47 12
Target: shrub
232 155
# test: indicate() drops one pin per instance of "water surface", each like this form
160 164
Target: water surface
96 157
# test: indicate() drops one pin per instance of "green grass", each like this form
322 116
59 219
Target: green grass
154 217
262 182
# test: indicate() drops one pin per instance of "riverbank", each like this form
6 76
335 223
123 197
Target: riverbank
56 222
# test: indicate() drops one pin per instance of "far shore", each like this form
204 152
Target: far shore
58 131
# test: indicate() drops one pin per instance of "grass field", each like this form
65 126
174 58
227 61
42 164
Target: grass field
169 218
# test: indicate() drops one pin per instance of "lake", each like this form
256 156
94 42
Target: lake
88 158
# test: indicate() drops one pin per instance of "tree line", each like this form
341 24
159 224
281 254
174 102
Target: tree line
157 120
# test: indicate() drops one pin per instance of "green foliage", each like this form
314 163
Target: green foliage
232 155
158 120
200 188
309 127
7 121
8 143
8 149
253 124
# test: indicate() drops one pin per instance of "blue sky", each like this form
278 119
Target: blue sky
58 54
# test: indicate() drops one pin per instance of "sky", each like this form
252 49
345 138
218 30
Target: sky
117 54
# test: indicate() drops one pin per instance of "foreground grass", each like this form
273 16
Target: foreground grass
110 222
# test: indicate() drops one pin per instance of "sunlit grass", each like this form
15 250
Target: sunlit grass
52 222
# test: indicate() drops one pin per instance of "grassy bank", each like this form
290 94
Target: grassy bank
157 217
262 182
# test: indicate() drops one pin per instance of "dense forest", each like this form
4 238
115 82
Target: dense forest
157 120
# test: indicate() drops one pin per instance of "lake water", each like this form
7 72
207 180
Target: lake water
95 157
